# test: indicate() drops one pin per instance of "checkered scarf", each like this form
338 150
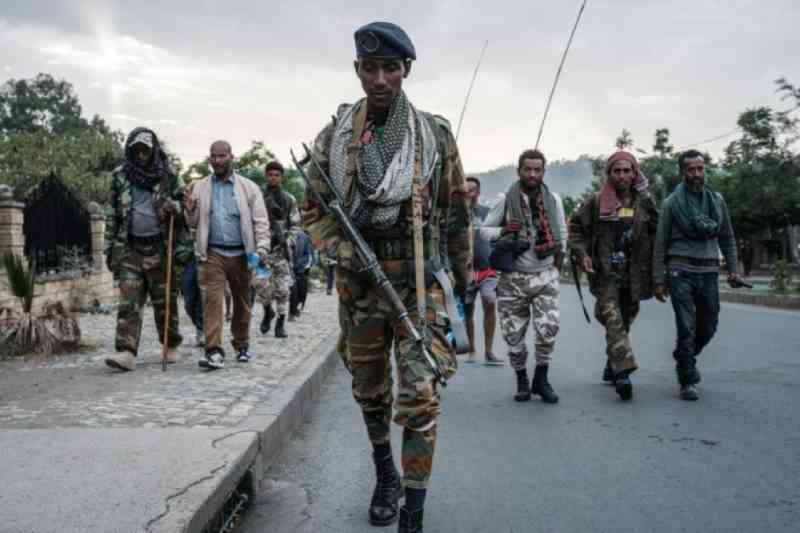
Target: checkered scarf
386 165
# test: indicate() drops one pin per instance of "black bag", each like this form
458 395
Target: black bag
506 249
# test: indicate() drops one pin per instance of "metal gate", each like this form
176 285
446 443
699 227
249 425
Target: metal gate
56 226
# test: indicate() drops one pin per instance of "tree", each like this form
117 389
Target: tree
570 204
42 131
760 176
43 103
662 167
624 141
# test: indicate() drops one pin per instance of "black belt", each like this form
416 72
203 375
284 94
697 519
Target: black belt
147 241
235 248
695 261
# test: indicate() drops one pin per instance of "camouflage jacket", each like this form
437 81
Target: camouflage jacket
588 235
281 227
448 237
119 219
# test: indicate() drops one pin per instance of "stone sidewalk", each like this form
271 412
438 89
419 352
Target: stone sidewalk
72 408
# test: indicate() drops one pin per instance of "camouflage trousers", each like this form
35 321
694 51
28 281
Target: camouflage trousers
369 335
142 273
278 286
614 310
528 298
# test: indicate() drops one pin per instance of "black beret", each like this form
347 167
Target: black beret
384 39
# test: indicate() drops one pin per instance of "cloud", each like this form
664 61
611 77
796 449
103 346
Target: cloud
276 71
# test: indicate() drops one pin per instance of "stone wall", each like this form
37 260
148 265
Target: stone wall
75 292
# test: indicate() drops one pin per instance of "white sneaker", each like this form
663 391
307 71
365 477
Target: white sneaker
212 361
124 360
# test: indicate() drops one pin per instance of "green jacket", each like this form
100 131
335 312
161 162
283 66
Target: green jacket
588 235
670 240
119 219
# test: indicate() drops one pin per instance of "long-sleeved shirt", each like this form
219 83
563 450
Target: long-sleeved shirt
671 241
526 262
225 226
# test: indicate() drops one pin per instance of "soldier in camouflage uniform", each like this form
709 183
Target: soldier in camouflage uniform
283 216
384 139
145 192
530 230
611 238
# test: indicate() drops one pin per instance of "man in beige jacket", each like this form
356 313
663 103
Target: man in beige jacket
227 211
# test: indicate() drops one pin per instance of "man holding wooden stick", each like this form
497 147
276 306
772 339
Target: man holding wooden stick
145 198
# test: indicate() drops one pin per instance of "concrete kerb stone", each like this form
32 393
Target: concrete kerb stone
191 509
741 296
271 426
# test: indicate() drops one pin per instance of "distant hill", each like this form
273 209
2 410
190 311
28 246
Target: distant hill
566 177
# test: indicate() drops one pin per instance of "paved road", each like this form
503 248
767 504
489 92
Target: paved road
730 462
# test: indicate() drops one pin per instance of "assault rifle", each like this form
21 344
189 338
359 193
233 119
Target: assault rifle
366 256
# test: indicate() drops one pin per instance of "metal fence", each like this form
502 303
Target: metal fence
57 227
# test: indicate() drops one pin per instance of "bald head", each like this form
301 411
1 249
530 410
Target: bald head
221 159
222 145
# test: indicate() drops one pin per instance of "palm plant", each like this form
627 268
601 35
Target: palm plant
20 279
52 332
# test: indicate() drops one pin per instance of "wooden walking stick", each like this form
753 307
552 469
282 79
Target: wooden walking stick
165 345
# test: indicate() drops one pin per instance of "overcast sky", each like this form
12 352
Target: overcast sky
197 70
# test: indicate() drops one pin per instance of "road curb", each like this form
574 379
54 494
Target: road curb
750 298
766 300
271 424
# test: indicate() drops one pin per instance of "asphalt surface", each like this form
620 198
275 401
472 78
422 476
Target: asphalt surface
729 462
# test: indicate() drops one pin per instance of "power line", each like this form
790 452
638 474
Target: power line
728 134
469 91
558 74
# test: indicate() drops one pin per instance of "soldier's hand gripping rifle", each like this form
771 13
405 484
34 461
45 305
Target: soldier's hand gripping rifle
366 256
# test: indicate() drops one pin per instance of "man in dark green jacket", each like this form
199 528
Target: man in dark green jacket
694 227
611 237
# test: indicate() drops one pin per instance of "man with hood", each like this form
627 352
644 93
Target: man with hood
611 238
694 227
145 194
376 151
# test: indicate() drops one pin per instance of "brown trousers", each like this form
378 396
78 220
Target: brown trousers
214 272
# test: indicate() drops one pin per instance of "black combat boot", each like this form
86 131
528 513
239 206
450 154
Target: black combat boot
388 490
279 331
688 377
608 374
266 322
541 386
523 390
410 521
623 385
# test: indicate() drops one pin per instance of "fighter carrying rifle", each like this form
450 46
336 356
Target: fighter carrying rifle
366 256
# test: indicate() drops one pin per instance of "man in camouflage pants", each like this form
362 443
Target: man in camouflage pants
611 238
529 223
383 138
283 216
145 193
